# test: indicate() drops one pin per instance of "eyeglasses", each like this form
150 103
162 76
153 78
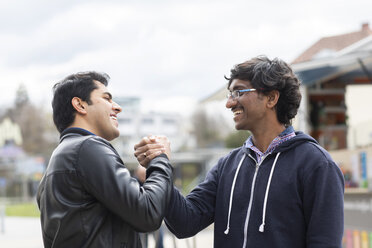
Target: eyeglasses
237 93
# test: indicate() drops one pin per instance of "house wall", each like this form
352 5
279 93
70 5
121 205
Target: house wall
359 112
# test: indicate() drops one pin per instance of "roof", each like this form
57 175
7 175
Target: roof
349 65
317 71
328 45
216 96
352 59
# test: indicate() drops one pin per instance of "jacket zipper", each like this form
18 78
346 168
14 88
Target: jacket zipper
251 199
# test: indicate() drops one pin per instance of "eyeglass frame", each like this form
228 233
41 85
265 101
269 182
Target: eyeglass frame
236 93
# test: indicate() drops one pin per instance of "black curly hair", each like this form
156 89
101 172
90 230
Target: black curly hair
266 75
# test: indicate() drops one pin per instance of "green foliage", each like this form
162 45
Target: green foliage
23 209
236 138
208 129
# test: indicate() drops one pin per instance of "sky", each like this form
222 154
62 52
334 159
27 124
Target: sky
171 54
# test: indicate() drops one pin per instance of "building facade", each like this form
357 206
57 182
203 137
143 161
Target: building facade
134 124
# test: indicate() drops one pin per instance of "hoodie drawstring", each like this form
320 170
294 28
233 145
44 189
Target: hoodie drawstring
232 193
261 229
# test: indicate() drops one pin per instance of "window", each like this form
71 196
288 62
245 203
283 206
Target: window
125 121
147 121
169 121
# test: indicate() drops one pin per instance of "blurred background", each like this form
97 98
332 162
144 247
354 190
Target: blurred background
167 61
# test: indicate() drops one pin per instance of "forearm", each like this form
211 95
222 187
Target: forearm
154 196
180 217
185 217
108 181
326 216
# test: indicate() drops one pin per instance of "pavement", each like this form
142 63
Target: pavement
20 232
25 232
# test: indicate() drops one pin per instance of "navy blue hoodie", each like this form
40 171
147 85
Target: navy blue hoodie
292 199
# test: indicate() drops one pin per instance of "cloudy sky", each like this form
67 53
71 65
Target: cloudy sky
170 53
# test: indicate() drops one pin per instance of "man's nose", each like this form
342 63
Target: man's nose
116 107
230 102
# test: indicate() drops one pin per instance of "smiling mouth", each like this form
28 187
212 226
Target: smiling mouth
113 117
237 112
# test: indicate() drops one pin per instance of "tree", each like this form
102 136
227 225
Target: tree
236 138
22 98
38 134
209 130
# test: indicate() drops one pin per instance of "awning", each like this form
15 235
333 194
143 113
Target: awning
312 76
316 71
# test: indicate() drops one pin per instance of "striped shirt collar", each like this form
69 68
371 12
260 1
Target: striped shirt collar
287 134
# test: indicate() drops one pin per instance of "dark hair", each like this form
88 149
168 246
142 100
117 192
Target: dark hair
80 85
266 75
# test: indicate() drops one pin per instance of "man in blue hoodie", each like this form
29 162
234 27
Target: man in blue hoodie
280 189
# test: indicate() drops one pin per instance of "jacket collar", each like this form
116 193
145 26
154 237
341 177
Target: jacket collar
75 130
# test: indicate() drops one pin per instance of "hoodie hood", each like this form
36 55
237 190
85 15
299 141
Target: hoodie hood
295 141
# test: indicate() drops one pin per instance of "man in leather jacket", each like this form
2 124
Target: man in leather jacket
87 197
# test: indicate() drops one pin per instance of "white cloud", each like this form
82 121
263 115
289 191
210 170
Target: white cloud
157 50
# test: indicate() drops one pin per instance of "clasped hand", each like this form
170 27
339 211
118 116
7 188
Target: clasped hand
150 147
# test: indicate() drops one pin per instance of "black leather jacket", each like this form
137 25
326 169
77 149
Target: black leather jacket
87 198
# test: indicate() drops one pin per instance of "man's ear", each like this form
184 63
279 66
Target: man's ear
79 105
272 98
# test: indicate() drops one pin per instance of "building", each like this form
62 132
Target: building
19 173
134 124
326 70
